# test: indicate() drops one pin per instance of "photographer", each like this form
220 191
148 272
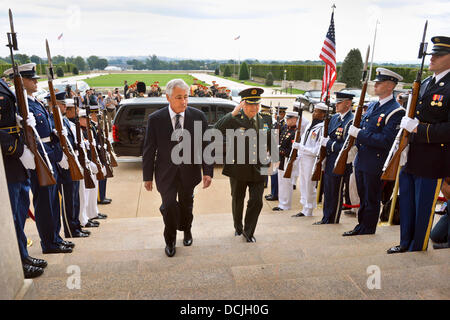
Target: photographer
111 105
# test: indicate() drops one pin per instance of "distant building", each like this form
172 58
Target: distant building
113 68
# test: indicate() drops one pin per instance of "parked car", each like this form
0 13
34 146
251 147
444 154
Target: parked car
310 98
130 122
61 84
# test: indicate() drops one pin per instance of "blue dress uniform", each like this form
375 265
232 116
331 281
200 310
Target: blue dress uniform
428 159
379 126
12 144
46 199
332 183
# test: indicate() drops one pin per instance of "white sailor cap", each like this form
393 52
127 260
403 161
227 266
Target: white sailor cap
321 106
82 113
291 114
27 70
70 102
385 74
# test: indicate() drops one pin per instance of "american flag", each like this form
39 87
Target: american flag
237 38
60 36
328 55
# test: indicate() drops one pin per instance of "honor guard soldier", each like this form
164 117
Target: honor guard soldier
266 114
246 122
280 125
285 185
213 88
17 158
428 159
308 148
380 125
45 198
338 129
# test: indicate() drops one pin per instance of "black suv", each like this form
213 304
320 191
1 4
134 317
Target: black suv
130 122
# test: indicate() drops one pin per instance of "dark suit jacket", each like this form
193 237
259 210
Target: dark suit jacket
158 148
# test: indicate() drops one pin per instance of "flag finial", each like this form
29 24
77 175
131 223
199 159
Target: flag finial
333 6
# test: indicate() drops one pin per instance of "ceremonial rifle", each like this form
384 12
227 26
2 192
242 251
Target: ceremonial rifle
341 161
94 155
102 150
317 171
294 153
82 157
392 163
74 166
43 170
108 143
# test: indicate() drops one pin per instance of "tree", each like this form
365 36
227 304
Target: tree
92 61
59 72
58 59
269 79
227 71
75 71
101 64
217 71
21 58
243 72
80 63
35 59
350 72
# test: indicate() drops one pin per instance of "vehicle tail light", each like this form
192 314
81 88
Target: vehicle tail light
115 133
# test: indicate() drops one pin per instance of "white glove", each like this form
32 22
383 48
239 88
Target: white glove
27 159
31 120
64 164
94 169
104 170
296 145
324 141
64 131
404 156
409 124
86 143
353 131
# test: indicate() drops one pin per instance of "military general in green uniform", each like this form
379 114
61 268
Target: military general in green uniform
247 167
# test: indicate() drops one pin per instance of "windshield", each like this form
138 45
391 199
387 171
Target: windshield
315 94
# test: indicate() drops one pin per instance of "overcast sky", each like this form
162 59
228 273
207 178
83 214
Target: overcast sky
202 29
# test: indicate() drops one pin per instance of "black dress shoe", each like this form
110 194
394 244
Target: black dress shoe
319 223
100 216
300 214
170 249
277 209
108 199
35 262
68 244
187 241
237 233
267 196
248 238
85 231
104 201
59 249
271 198
91 224
30 271
294 187
350 233
396 249
79 234
437 246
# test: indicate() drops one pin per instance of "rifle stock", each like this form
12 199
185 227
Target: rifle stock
94 155
341 161
393 160
109 148
43 170
104 158
317 171
294 153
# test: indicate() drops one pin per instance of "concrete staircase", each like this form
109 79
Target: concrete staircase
125 259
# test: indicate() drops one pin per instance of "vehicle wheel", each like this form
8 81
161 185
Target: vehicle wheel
311 107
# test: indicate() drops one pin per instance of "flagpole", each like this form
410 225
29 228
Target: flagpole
373 48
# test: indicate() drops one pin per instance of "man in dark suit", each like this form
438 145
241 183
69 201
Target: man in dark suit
428 159
169 128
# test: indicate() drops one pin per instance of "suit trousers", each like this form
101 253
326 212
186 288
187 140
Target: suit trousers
418 197
307 187
369 191
177 213
254 204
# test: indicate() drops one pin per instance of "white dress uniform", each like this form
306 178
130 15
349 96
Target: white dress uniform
309 148
286 186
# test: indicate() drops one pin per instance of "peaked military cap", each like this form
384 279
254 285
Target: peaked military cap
265 108
82 113
60 96
251 95
321 106
27 70
441 45
70 103
342 96
385 75
291 114
282 109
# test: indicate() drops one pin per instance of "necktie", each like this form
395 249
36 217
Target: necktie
178 126
431 83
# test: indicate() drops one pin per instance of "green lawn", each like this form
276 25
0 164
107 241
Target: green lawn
116 80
